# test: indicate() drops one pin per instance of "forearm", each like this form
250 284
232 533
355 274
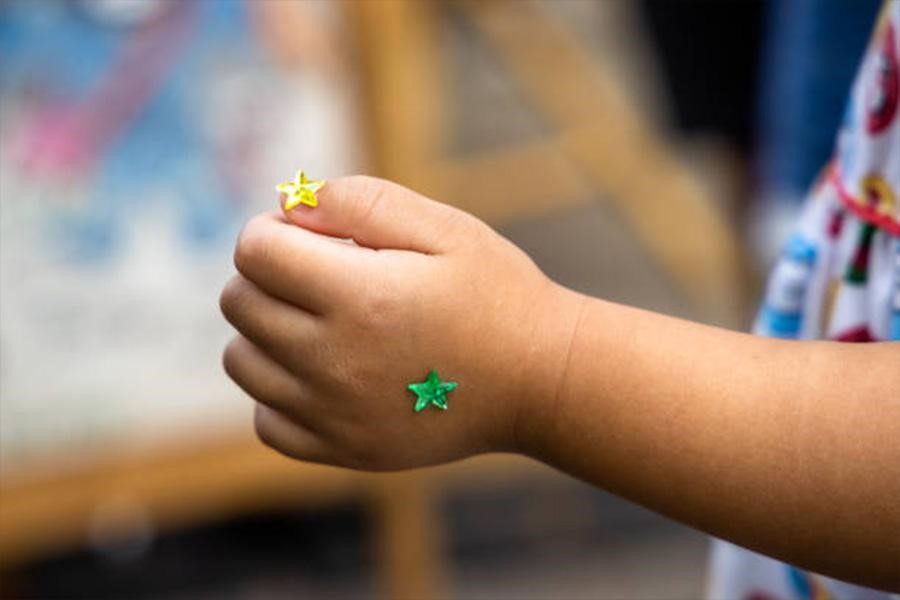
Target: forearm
789 448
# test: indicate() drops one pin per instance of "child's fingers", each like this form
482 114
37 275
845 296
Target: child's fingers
280 433
378 214
264 379
284 332
298 266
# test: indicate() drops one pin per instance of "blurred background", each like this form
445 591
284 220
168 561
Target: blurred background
650 152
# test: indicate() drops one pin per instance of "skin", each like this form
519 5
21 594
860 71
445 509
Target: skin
788 448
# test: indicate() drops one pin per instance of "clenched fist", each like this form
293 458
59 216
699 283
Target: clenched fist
331 331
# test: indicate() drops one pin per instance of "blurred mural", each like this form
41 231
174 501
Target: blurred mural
136 138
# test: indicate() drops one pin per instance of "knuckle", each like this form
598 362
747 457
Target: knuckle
230 358
381 307
270 434
360 449
380 310
267 431
364 457
232 298
339 374
251 247
370 194
362 185
360 182
263 428
462 230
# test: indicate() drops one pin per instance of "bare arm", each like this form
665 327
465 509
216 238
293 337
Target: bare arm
788 448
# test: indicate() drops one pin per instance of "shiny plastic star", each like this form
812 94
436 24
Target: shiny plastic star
432 391
300 191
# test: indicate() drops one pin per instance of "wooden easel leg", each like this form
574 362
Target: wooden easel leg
407 536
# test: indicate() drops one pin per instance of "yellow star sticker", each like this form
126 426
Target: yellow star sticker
300 191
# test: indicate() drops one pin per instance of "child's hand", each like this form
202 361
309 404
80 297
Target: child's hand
332 333
717 429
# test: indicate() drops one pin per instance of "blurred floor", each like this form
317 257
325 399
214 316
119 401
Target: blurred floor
560 540
663 565
567 540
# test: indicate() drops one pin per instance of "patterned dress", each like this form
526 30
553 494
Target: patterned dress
838 278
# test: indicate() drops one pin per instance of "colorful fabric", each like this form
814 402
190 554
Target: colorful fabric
838 278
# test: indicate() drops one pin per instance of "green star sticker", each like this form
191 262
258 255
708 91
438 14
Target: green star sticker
300 191
432 391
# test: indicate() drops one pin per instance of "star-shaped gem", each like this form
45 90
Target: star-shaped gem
300 191
432 391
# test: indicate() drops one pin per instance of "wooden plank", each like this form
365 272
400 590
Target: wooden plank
407 536
192 484
399 67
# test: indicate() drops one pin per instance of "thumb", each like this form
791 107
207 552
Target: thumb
378 214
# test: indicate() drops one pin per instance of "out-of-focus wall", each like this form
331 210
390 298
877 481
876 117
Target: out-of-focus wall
135 138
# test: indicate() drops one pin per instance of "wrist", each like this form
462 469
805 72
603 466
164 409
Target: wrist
548 359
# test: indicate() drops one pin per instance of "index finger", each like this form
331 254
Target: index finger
296 265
